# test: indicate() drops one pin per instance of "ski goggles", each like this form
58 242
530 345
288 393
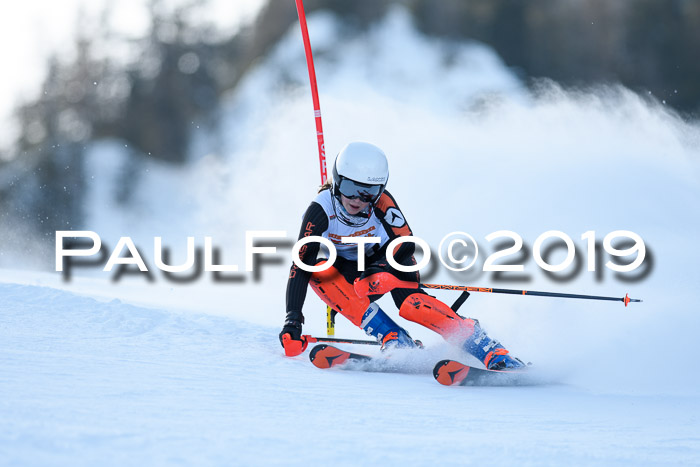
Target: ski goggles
354 190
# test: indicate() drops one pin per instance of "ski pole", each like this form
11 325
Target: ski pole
383 282
626 300
330 313
312 339
293 347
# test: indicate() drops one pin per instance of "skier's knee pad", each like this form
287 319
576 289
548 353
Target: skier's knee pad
339 294
430 312
380 283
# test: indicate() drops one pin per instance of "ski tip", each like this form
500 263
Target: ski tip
450 373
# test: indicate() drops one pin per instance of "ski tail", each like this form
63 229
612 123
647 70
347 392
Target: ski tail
450 372
453 373
326 356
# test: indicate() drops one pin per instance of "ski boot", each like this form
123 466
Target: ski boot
489 351
377 324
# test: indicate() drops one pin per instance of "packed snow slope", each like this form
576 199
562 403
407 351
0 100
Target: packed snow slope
165 372
87 382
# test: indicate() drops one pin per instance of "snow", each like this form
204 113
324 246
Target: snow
113 372
89 382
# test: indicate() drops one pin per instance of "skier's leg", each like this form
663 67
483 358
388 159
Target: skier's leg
378 324
430 312
375 281
426 310
338 293
333 287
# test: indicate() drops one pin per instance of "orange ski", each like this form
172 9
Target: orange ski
453 373
327 356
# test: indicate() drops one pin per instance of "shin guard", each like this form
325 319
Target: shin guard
464 332
339 294
433 314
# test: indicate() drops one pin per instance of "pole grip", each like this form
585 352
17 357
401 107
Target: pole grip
293 347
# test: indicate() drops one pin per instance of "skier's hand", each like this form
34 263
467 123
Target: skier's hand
294 332
290 337
292 326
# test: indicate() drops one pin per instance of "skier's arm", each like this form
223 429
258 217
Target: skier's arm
395 225
315 223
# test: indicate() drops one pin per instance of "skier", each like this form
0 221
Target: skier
357 204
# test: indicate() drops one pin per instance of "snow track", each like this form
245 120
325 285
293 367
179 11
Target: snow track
85 382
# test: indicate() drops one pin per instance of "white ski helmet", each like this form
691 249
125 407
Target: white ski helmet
360 171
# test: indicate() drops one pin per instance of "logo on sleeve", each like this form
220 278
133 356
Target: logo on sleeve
394 218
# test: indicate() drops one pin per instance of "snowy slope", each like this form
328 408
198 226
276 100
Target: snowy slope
85 382
191 373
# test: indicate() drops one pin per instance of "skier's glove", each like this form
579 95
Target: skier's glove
292 327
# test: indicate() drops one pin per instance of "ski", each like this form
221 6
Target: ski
407 361
326 356
446 372
453 373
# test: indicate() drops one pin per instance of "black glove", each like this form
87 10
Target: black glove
292 326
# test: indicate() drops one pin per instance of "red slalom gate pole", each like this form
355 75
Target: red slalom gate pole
330 313
314 90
